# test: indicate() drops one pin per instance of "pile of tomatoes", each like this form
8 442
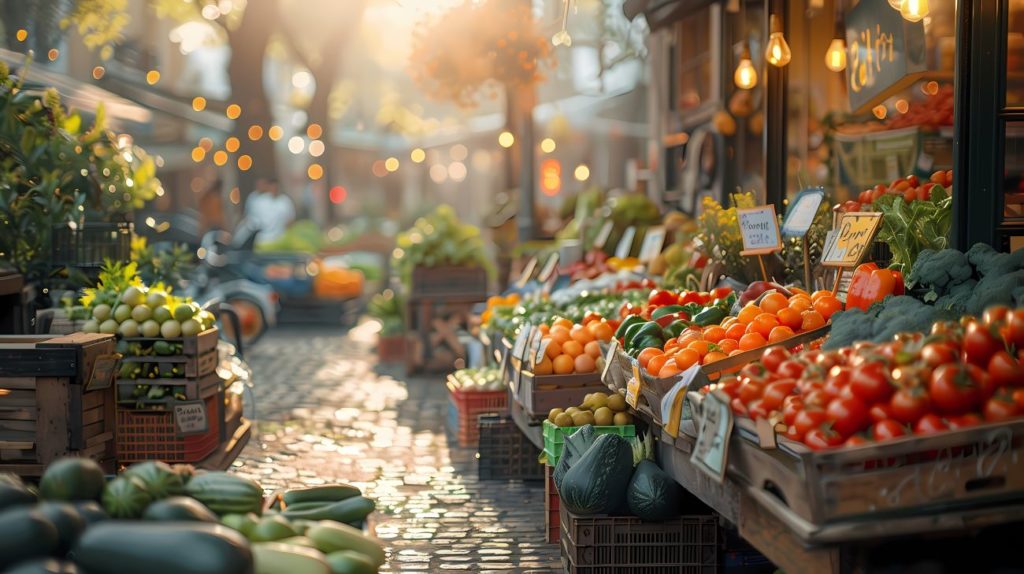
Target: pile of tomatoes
773 318
910 188
962 374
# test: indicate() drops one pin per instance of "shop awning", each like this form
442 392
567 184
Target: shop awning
661 13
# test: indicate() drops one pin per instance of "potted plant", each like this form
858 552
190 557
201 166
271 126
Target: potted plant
387 308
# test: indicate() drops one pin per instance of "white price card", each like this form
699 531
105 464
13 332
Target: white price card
711 451
654 240
527 273
625 245
801 212
609 360
760 230
672 402
604 234
190 418
549 267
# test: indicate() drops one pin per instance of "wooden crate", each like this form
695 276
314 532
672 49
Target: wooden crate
432 335
449 283
53 403
198 357
538 394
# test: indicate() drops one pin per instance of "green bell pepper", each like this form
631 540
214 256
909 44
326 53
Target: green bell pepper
626 324
666 310
649 329
674 329
710 316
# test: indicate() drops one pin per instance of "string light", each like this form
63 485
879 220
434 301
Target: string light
506 139
777 53
562 37
457 171
233 111
255 132
232 144
547 145
275 133
220 157
914 10
316 148
745 76
152 77
315 171
244 162
417 155
21 34
198 154
296 144
391 164
582 172
314 131
835 56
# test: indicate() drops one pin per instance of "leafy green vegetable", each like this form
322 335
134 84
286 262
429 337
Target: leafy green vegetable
437 240
908 230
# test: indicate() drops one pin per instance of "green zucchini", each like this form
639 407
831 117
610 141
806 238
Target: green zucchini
225 493
278 558
331 537
179 508
332 493
271 528
25 533
308 505
67 520
348 510
116 547
13 492
350 562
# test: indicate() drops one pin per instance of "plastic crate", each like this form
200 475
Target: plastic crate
611 544
552 522
554 437
468 406
88 245
504 453
151 435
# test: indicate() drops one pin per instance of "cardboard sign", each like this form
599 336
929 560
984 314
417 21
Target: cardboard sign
604 234
103 370
760 230
711 451
190 418
527 273
801 212
654 240
672 402
609 359
633 387
549 267
886 52
847 245
625 245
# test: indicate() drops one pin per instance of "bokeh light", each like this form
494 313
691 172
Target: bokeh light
457 171
98 72
438 173
275 133
244 162
458 152
198 154
255 132
314 131
233 111
220 157
152 77
21 34
316 148
199 103
391 164
296 144
506 139
337 195
315 171
53 54
417 155
582 172
231 144
378 168
547 145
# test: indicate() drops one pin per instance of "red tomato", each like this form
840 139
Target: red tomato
777 392
817 398
750 391
870 382
910 194
847 415
720 292
856 440
792 405
913 180
738 407
754 372
1015 329
1001 407
730 387
793 434
964 421
1005 370
809 418
662 298
980 343
837 380
887 430
953 388
773 357
756 409
851 207
935 354
880 412
930 424
1018 397
909 405
821 439
790 369
687 297
995 314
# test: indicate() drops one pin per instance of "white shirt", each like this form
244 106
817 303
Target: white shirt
270 214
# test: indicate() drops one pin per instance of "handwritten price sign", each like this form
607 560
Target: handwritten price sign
760 230
847 245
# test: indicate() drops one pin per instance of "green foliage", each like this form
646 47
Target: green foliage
100 23
387 307
719 231
167 266
114 278
440 239
909 229
793 249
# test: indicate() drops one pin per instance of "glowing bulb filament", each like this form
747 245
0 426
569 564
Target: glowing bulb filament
835 56
745 75
914 10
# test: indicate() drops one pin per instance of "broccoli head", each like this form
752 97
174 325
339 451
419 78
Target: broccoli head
988 261
957 299
848 327
1003 289
940 270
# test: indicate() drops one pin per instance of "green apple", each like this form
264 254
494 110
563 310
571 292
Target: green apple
150 329
170 329
91 326
122 313
109 327
101 312
190 328
161 314
141 313
156 298
133 296
129 328
184 312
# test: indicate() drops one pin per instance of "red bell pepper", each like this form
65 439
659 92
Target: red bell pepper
661 298
871 284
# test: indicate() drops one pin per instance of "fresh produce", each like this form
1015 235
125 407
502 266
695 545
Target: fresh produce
350 510
439 239
388 308
319 494
14 492
870 285
25 533
271 527
44 566
178 508
225 493
126 497
350 562
332 537
598 409
571 348
276 557
159 479
72 478
68 522
880 322
596 483
494 301
117 547
573 448
970 282
474 380
910 188
961 374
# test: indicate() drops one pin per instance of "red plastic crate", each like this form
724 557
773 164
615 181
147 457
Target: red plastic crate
151 435
468 406
552 528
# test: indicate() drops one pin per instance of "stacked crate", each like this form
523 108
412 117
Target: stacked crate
504 453
440 304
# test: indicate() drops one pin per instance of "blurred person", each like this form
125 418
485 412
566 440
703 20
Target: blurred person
268 211
211 207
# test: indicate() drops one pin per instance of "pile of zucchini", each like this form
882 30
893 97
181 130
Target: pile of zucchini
159 519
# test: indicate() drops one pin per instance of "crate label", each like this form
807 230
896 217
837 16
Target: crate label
604 234
103 370
765 434
521 339
524 278
711 451
654 240
673 401
846 245
542 349
190 418
633 387
609 360
802 211
760 230
626 243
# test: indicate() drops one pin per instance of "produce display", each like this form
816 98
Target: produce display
598 409
477 380
439 239
572 348
962 374
160 518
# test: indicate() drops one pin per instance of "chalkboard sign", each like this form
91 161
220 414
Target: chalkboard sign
847 244
885 52
801 212
760 230
190 418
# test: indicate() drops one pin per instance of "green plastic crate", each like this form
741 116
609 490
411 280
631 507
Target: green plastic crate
554 437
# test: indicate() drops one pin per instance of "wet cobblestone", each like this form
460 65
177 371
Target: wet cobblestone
328 413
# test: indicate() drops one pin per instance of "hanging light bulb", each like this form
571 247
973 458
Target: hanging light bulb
745 76
914 10
835 56
777 53
562 37
895 4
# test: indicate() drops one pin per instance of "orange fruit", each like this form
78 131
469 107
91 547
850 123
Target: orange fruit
753 340
800 304
686 338
669 369
593 349
602 331
563 365
798 291
647 354
736 352
811 320
701 347
764 323
572 348
581 335
747 314
686 358
789 317
656 363
562 322
544 329
780 333
553 349
670 346
736 331
819 294
714 334
713 356
543 368
828 306
772 302
585 364
728 322
560 335
727 345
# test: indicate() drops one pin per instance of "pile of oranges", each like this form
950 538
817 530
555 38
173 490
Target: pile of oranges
774 318
571 348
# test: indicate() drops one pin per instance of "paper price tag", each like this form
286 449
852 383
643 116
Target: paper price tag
527 273
190 418
549 268
711 451
852 237
760 230
522 338
633 387
801 212
672 402
609 360
542 349
626 243
604 234
654 240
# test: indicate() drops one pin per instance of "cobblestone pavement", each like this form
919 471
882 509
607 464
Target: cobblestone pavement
328 413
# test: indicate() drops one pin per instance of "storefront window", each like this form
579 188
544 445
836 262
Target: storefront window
1013 208
696 72
1015 54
